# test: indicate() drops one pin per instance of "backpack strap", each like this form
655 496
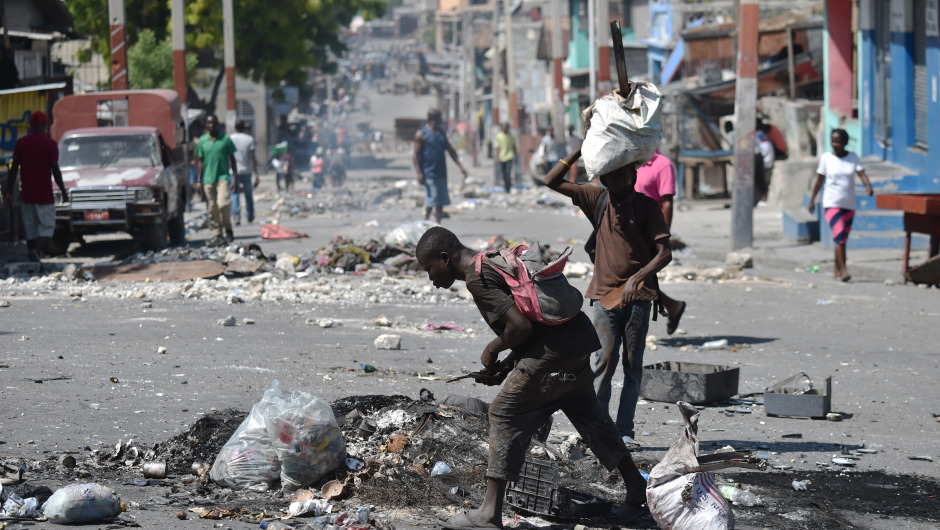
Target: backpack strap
600 208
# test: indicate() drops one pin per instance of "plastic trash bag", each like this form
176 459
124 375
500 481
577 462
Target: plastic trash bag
305 435
248 459
82 503
408 233
622 131
679 493
16 506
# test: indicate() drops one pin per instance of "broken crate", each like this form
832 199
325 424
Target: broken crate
796 396
674 381
537 492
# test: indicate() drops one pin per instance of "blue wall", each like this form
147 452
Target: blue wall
902 150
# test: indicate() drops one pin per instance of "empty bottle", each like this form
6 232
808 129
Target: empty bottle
739 496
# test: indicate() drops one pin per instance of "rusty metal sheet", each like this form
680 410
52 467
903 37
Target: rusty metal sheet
242 267
168 272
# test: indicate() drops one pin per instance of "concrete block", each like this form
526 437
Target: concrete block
388 342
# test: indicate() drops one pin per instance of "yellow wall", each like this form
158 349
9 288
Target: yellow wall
13 123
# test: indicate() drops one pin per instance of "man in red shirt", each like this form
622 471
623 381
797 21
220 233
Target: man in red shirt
657 180
38 156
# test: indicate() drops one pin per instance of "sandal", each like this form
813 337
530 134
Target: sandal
673 323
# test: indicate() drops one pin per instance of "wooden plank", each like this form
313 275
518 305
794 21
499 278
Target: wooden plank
925 203
167 272
619 59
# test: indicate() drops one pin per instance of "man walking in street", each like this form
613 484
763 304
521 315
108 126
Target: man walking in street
216 155
430 145
657 180
37 156
632 246
505 153
246 165
551 372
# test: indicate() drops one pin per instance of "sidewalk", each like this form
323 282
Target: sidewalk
705 226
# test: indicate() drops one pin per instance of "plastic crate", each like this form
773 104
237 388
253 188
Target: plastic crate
537 492
536 489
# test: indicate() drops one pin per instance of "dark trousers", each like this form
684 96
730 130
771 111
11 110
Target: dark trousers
506 169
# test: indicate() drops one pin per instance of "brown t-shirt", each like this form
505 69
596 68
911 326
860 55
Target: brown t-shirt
573 339
621 248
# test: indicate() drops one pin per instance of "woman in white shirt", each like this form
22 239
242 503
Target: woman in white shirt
838 169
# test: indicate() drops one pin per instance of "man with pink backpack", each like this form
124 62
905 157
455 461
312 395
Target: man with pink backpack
548 369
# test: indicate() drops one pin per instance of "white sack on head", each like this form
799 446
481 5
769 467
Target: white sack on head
622 131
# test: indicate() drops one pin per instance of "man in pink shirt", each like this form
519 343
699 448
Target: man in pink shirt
657 180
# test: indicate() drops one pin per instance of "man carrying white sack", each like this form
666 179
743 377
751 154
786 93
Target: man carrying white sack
632 239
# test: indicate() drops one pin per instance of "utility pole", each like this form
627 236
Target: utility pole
452 110
118 45
471 85
603 50
228 34
592 64
497 58
178 27
742 197
511 68
558 104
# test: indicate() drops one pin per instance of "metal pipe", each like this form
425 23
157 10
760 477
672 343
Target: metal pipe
118 45
228 35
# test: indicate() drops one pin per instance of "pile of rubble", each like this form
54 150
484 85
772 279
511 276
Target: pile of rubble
427 456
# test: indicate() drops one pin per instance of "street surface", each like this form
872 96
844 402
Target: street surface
79 365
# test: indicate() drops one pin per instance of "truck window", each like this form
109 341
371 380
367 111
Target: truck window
138 150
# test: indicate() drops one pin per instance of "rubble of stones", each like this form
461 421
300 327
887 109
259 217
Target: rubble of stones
418 455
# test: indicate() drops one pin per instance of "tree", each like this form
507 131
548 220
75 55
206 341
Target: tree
274 41
91 20
150 63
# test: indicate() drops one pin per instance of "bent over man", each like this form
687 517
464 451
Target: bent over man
552 372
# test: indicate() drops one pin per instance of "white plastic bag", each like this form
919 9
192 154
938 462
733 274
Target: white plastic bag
248 459
679 493
305 435
82 503
622 131
408 233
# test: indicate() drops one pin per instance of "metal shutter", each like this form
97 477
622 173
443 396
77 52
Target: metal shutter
919 56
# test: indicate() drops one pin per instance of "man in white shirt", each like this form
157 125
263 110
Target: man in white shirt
246 166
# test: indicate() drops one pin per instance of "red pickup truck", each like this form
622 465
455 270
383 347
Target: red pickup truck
122 163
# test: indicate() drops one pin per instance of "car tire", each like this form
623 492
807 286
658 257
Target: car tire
177 225
59 243
154 236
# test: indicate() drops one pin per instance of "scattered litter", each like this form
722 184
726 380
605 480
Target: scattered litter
444 327
315 507
273 231
794 435
161 350
227 321
325 322
800 485
823 302
440 468
841 461
834 416
921 458
715 344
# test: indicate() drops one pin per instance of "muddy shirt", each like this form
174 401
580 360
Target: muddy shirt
621 247
575 338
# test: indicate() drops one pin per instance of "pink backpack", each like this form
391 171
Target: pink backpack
541 292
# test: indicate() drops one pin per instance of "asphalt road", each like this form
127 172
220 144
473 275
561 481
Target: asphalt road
86 372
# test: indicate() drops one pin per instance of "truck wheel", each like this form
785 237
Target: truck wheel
59 242
154 236
177 226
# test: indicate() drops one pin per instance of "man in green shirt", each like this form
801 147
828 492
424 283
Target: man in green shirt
216 154
506 153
